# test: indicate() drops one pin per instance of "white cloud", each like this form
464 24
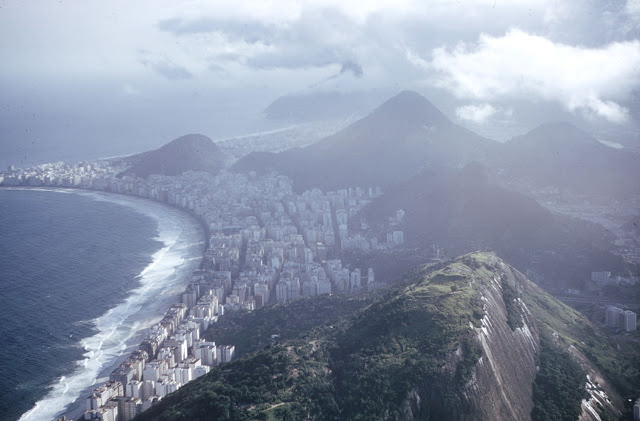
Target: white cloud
285 11
476 113
614 145
523 65
633 8
608 109
269 42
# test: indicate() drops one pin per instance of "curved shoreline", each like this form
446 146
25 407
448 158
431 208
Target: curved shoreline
120 329
124 196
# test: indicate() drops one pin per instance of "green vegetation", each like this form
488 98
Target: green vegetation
558 388
404 340
360 359
252 331
471 352
510 296
272 381
357 367
618 363
276 383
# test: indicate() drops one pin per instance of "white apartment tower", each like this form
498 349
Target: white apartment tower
629 321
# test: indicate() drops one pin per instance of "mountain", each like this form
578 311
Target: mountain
192 152
469 339
562 156
408 133
394 142
460 211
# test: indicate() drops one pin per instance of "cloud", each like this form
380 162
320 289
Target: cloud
167 68
347 67
179 26
633 8
353 67
519 65
171 70
309 36
270 43
249 31
476 113
311 39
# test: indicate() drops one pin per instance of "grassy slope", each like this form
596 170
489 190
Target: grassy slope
252 331
405 340
569 327
357 369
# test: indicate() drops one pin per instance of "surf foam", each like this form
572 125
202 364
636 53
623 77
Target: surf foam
123 326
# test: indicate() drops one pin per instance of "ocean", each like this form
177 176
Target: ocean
82 275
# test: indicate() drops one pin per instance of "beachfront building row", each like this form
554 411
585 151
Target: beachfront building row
172 355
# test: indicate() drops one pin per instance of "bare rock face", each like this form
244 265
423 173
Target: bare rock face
508 340
503 377
507 337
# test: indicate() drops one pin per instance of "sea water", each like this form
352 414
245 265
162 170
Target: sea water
82 275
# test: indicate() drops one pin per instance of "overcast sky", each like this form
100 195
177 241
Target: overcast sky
115 71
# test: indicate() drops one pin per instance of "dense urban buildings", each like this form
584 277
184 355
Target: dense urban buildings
266 245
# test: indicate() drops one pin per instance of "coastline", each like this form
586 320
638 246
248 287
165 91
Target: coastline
235 207
120 330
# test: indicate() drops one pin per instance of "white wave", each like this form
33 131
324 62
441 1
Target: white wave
122 327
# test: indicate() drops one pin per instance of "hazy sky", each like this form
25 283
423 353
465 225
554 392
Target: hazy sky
118 72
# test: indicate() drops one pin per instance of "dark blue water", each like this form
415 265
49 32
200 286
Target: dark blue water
65 259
